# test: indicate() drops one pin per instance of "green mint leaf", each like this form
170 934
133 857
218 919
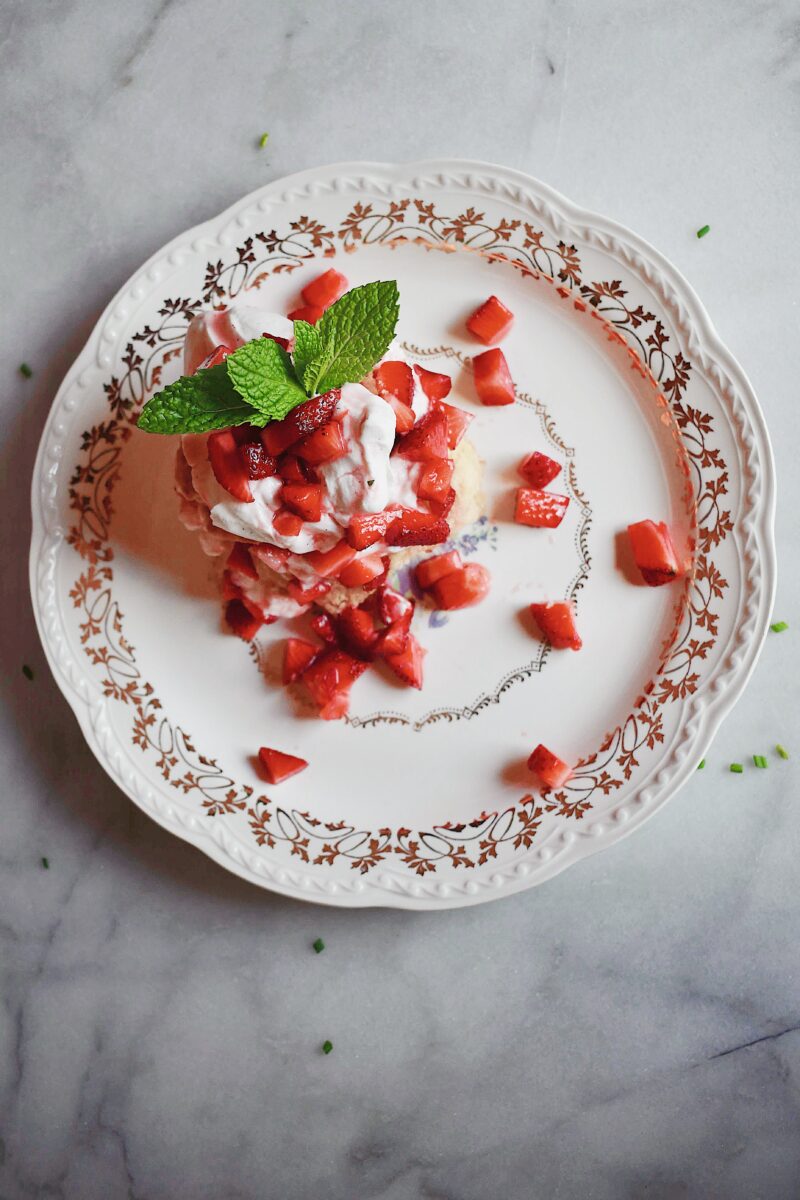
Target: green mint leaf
306 347
263 375
196 404
354 334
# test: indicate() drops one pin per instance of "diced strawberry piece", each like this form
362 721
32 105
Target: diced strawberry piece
313 413
292 470
367 528
461 589
277 437
330 562
230 590
305 499
307 595
654 552
373 584
217 356
432 569
412 528
325 289
427 440
543 510
227 465
258 463
493 381
538 470
393 606
362 571
242 434
394 378
403 415
273 557
458 421
241 560
552 771
356 631
279 766
491 322
434 482
557 623
407 665
310 313
329 679
287 523
393 640
242 621
298 655
323 445
273 337
323 627
441 508
434 385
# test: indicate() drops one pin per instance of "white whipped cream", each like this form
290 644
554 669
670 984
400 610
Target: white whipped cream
230 327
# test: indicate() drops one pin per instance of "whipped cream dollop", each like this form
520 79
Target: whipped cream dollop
231 327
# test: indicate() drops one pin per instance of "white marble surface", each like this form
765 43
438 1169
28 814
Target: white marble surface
627 1031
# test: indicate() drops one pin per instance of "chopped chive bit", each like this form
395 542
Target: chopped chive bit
779 626
25 370
262 141
319 945
782 751
703 230
327 1047
46 864
759 760
737 768
701 764
26 671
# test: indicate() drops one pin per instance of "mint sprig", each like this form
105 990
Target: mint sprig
260 382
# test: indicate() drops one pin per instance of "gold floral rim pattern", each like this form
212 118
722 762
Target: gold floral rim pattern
91 487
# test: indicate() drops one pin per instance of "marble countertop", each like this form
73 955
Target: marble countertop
630 1029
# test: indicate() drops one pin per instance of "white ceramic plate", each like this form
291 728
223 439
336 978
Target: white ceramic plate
422 799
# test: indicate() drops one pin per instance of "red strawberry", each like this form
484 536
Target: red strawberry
258 463
217 355
552 771
331 562
557 623
434 482
367 528
441 508
310 313
407 665
291 470
244 623
654 552
230 590
227 465
491 322
428 439
313 413
461 589
430 570
403 415
393 640
298 655
323 445
305 499
493 381
412 528
395 379
458 421
287 523
279 766
393 606
273 557
434 385
241 560
356 631
323 628
362 571
543 510
277 437
307 595
325 289
329 679
538 470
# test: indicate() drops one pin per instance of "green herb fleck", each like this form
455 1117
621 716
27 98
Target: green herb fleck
737 768
46 864
782 751
702 232
779 626
25 370
759 760
701 764
262 141
26 671
327 1047
319 945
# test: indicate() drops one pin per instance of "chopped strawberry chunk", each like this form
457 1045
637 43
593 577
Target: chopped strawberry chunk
287 523
367 528
434 385
305 499
329 679
377 580
313 413
458 421
538 470
407 665
228 466
427 440
441 508
241 560
393 606
323 627
557 623
491 322
461 589
292 470
493 381
394 378
217 356
430 570
331 562
393 639
403 415
362 571
412 528
273 557
277 437
279 766
356 631
654 552
298 655
326 288
244 623
273 337
258 463
543 510
552 771
310 313
307 595
323 445
434 482
230 590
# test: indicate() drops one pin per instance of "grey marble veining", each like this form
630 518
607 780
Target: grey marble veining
629 1030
